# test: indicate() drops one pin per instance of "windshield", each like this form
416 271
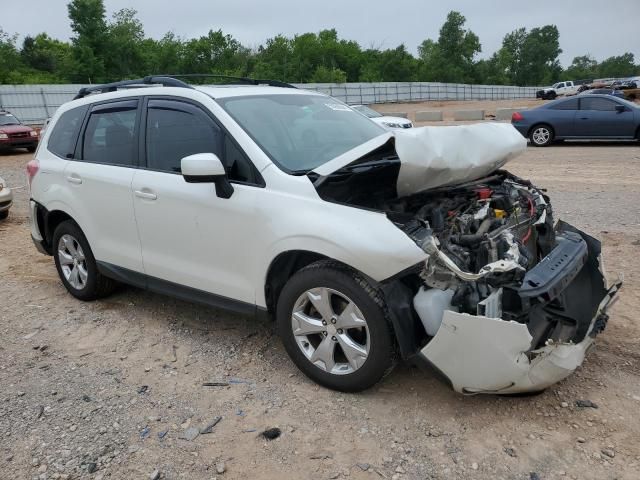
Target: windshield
300 132
369 112
8 119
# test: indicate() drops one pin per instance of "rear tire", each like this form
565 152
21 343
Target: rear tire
76 264
541 135
333 325
4 215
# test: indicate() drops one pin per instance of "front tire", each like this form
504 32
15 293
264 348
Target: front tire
4 215
541 135
333 325
76 264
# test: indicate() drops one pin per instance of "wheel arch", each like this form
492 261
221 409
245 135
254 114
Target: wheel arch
282 268
48 221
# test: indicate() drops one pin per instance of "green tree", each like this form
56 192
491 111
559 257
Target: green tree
530 58
45 54
124 37
10 61
324 74
582 68
90 27
451 58
619 66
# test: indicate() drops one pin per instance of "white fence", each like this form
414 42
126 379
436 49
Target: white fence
35 103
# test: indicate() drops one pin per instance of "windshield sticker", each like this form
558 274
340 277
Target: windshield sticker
337 107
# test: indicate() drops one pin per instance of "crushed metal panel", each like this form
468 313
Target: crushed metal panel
437 156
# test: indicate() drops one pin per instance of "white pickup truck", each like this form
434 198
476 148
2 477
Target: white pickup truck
557 89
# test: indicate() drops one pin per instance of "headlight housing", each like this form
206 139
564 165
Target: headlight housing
33 133
392 125
3 136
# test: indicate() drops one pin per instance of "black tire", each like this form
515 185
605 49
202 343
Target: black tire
96 285
31 149
537 136
4 215
333 275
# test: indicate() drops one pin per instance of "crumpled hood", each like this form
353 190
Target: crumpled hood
432 157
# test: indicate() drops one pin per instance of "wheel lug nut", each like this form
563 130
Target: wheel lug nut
340 331
334 338
324 322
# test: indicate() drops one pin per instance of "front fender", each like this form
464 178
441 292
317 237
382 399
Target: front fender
366 241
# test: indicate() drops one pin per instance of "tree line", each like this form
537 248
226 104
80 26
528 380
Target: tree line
108 49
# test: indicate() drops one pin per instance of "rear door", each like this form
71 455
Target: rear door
598 118
99 178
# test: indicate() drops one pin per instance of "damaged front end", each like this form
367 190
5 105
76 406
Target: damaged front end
509 303
506 301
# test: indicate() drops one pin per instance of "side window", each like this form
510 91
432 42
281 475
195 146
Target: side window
177 129
62 140
109 136
561 85
571 104
600 104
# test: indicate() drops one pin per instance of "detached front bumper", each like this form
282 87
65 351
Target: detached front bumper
479 354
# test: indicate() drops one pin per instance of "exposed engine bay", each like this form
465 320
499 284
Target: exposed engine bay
481 239
494 257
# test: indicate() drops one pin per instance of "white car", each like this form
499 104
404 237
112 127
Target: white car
6 199
365 245
390 123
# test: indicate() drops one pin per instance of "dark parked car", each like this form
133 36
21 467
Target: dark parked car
13 134
604 91
601 117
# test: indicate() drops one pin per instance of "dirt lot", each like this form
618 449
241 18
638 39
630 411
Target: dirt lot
111 389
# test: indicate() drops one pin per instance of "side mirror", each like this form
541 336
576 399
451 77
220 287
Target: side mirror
206 168
620 108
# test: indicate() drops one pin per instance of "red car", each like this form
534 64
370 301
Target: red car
13 134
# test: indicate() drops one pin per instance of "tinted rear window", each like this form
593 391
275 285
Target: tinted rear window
63 138
571 104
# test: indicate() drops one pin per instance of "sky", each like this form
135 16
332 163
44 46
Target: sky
596 27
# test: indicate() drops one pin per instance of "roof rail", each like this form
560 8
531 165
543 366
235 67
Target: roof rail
165 81
233 80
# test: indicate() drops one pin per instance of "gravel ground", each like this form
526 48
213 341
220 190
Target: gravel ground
114 389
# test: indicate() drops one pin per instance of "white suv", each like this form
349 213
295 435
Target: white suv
265 199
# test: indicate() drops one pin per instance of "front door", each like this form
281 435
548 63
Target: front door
598 117
190 236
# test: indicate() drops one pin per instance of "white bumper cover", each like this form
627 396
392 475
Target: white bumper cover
490 355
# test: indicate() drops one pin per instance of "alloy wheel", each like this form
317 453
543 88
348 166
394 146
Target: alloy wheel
72 261
330 330
541 135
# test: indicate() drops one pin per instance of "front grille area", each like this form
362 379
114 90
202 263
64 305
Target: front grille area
19 135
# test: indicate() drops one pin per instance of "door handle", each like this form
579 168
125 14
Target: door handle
146 195
73 178
584 118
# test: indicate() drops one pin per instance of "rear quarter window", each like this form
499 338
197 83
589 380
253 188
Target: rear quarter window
62 141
